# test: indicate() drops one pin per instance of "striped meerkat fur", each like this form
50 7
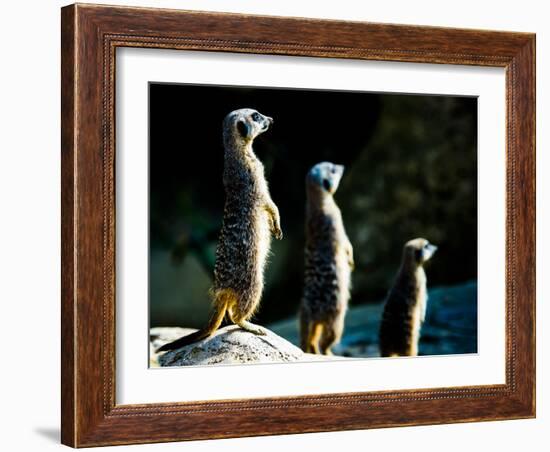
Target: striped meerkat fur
405 307
328 263
250 218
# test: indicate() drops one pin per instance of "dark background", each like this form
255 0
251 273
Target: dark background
411 171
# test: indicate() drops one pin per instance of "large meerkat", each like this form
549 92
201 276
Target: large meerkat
405 308
249 219
328 263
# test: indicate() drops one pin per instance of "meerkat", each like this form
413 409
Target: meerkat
250 218
405 307
328 263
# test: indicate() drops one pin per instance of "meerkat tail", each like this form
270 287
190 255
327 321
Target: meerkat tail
222 301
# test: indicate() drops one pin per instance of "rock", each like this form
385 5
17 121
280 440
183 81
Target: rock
159 336
228 345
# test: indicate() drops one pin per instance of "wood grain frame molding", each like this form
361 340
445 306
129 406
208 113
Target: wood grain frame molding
90 36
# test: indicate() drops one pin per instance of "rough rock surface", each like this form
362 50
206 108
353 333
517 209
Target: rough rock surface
228 345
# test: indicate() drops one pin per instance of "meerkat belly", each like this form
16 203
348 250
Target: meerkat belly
262 239
419 313
242 252
343 274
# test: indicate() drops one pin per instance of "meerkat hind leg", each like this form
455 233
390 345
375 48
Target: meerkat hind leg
328 339
251 328
332 333
315 331
244 324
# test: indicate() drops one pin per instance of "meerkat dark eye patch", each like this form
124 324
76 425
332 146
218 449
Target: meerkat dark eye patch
326 184
256 117
243 128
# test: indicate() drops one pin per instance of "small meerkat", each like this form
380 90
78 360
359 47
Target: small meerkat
405 308
328 263
250 218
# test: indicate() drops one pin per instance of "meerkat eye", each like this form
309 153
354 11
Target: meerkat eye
256 117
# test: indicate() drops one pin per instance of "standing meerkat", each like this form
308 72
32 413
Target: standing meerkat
249 219
405 308
328 263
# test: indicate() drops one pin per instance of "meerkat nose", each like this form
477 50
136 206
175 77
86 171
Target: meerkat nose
271 121
433 248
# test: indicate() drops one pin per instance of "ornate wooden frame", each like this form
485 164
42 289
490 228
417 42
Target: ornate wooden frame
90 35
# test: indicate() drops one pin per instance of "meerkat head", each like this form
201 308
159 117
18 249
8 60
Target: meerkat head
243 125
325 176
418 251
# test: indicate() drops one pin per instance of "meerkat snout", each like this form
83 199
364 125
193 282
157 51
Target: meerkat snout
427 252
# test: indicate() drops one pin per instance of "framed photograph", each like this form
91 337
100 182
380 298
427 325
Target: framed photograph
282 225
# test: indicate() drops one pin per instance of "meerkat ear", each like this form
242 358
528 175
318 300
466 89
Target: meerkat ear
243 128
326 184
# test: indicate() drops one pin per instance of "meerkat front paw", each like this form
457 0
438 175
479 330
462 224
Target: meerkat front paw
276 228
351 261
275 220
277 232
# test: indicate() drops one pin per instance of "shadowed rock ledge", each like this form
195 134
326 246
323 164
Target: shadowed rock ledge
228 345
450 328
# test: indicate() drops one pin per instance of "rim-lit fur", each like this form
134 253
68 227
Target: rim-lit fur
250 218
